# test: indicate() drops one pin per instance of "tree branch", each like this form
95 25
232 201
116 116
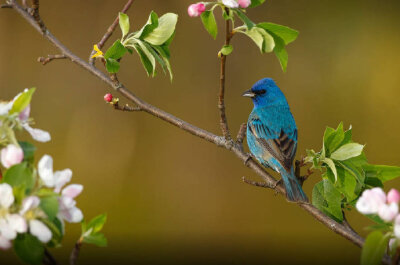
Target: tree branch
49 58
109 31
201 133
221 98
75 253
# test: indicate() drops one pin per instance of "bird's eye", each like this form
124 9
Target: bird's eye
262 92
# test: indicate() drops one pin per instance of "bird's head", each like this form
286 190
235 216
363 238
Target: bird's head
265 93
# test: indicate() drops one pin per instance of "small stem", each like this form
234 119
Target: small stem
75 253
221 99
49 58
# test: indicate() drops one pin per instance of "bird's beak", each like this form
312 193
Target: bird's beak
249 94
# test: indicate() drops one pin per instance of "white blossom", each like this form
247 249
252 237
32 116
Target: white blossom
52 179
230 3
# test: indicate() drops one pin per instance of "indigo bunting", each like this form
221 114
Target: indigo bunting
272 134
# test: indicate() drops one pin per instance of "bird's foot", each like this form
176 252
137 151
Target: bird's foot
248 158
305 177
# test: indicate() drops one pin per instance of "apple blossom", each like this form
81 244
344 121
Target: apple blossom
68 210
11 155
397 226
37 134
40 230
196 10
388 212
370 201
230 3
52 179
393 196
244 3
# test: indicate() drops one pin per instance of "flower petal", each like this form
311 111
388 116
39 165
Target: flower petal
45 169
62 178
230 3
5 107
37 134
29 203
72 191
25 113
6 195
40 230
5 243
17 223
6 230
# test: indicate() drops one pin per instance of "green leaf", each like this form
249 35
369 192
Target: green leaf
148 65
56 229
347 151
20 175
333 139
249 24
29 249
209 23
374 248
112 65
164 53
124 23
116 51
263 40
165 29
151 24
326 198
332 166
50 206
255 3
227 49
353 169
280 52
29 150
373 182
346 184
23 100
287 34
383 173
96 239
97 223
149 56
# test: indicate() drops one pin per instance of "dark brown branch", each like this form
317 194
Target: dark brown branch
241 133
257 184
109 31
49 58
126 107
221 98
208 136
35 14
75 253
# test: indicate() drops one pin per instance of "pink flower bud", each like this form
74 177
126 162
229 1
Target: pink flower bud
393 196
244 3
24 115
11 155
196 10
388 212
108 97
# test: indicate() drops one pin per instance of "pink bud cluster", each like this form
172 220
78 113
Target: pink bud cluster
11 155
196 10
386 206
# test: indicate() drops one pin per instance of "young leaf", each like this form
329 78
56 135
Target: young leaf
29 150
149 55
50 206
112 65
255 3
116 51
209 23
280 52
147 64
287 34
347 151
151 24
374 248
165 29
333 139
29 249
20 175
97 223
97 239
23 100
326 198
124 23
227 49
264 41
384 173
332 166
249 24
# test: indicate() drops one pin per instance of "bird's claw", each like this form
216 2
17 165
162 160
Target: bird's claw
248 158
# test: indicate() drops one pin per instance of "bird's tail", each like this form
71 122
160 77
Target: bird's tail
294 191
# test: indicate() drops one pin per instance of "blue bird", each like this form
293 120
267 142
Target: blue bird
272 134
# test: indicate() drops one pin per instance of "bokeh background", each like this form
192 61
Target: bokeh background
172 198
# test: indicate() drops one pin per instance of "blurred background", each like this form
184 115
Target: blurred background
172 198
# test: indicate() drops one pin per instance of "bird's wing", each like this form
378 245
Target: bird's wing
280 143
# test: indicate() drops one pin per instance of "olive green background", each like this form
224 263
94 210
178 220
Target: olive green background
172 198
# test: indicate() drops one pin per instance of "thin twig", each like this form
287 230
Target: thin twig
49 58
206 135
126 107
109 31
75 253
48 259
221 98
241 133
35 14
